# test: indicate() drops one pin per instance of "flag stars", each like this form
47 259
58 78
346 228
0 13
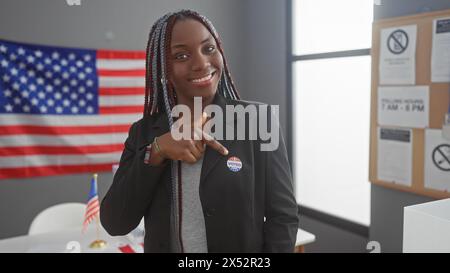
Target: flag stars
16 86
7 93
38 53
40 66
21 51
8 108
25 94
32 87
3 49
47 81
31 73
34 101
58 96
30 59
17 100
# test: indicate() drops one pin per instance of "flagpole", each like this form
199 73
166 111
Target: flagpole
98 228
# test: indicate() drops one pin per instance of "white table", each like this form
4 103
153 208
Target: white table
303 238
426 227
72 240
67 241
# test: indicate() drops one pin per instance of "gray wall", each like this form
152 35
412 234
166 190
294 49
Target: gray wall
54 23
386 204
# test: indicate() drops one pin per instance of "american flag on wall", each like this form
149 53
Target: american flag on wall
66 110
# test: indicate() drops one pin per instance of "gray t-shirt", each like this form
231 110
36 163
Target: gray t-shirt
193 230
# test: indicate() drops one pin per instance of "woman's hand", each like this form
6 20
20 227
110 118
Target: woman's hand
189 151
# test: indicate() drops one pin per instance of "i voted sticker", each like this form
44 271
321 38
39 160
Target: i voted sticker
234 164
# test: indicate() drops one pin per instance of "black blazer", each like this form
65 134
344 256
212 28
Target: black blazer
252 210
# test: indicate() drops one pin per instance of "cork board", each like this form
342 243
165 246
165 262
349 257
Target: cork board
439 99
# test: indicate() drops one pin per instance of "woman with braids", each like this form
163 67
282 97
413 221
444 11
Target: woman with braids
205 195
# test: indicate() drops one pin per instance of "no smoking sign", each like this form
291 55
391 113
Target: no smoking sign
397 42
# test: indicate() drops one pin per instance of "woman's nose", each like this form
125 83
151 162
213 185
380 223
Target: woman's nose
199 62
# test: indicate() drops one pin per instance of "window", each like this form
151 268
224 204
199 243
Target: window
331 106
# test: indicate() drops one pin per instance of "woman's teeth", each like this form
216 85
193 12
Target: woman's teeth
204 79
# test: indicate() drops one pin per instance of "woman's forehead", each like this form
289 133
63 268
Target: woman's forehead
188 32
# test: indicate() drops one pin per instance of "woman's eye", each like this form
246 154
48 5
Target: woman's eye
181 56
210 49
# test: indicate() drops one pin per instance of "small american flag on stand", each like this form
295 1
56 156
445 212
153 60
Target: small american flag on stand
93 206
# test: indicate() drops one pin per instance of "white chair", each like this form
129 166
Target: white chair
58 217
303 238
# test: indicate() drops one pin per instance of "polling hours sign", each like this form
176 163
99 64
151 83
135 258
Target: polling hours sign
405 106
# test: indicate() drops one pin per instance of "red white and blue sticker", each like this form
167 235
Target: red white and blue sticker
234 164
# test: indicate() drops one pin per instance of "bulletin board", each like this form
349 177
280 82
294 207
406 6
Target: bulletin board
438 100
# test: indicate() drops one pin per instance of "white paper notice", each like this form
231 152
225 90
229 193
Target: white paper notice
440 56
398 55
406 106
437 161
395 155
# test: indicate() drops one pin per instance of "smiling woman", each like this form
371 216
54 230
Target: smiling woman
196 195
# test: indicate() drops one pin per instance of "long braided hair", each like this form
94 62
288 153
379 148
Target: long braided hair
160 96
159 92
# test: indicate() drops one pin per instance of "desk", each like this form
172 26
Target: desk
303 238
426 227
58 242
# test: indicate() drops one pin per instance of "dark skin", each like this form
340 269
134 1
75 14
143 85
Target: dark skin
196 64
